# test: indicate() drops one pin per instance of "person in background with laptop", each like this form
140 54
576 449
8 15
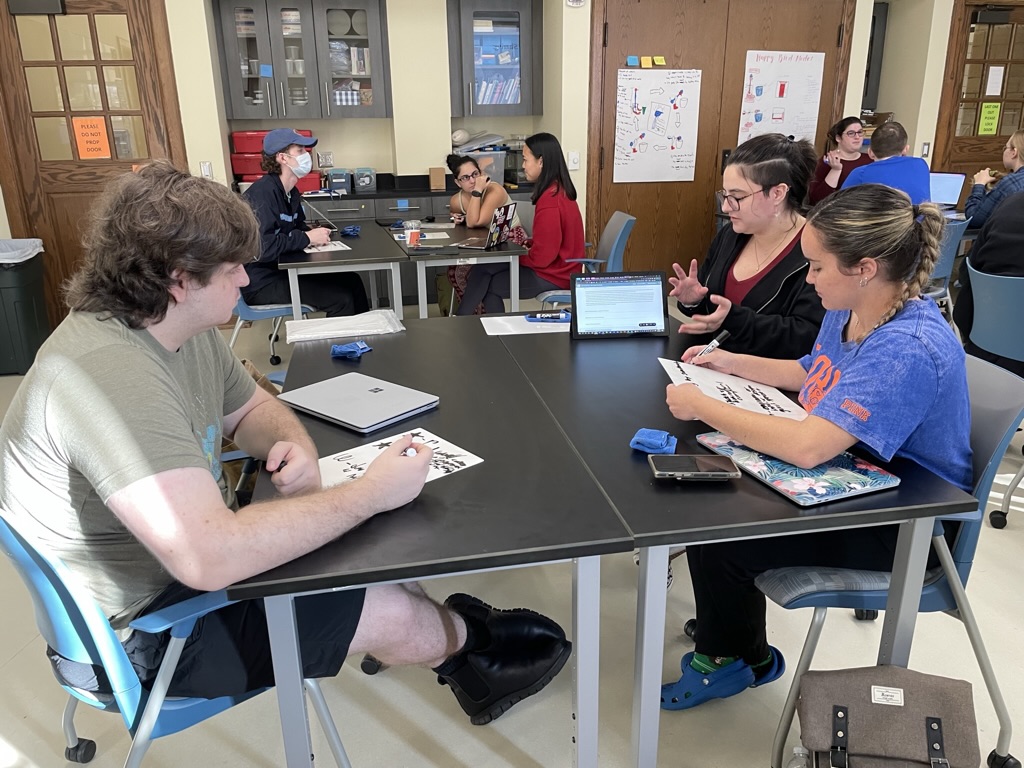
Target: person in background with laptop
751 283
557 234
474 206
110 457
983 201
842 155
892 166
283 230
886 374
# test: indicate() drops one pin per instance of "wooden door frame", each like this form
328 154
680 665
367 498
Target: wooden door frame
952 80
18 189
598 14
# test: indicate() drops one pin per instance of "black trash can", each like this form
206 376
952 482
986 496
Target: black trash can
23 322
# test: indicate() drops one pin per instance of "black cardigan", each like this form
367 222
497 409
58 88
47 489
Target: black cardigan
781 315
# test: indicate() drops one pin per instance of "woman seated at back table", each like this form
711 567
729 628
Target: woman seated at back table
842 155
872 379
751 283
983 200
557 235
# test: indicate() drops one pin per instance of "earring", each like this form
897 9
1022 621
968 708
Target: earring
863 282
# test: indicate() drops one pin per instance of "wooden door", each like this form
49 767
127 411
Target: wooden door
984 66
675 221
87 95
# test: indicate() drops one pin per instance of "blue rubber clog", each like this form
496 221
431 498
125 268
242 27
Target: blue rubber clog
694 688
773 671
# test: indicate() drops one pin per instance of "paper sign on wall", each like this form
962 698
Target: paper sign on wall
781 94
91 137
988 122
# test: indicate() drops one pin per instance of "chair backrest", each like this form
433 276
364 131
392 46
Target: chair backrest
948 250
612 245
71 621
998 313
525 211
997 407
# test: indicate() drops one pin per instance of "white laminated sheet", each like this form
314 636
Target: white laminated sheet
372 323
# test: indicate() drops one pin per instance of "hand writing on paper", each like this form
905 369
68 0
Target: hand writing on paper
319 236
686 287
717 360
682 400
293 469
399 478
709 323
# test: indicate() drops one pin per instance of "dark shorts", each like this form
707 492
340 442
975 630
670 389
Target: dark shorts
228 652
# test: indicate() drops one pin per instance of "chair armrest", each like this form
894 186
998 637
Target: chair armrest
187 611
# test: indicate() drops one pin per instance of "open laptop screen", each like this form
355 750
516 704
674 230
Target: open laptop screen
612 305
946 188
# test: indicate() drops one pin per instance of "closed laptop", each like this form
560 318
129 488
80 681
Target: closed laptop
358 402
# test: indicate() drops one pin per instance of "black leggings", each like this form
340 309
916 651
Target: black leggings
336 293
490 283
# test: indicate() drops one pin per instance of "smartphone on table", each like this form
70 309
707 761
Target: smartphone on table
693 467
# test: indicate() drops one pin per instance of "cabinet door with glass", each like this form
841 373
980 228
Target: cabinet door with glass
293 46
353 58
496 49
246 47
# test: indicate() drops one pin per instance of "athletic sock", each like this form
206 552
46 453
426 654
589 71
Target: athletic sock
762 666
707 664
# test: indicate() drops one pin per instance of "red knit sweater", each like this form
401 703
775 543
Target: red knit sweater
557 236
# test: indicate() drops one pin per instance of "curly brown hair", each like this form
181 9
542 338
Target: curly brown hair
148 225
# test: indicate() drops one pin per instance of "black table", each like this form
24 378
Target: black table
374 249
602 391
481 518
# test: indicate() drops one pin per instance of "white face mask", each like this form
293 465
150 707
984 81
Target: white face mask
305 165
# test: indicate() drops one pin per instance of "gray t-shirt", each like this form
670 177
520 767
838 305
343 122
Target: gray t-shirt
103 407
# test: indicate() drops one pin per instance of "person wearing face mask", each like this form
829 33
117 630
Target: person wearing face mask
283 230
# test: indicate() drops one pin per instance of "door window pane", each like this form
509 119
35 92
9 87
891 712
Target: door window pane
977 41
35 39
972 81
1018 42
129 137
966 119
1014 87
351 67
112 34
44 89
496 50
122 88
83 88
295 92
1009 118
999 41
74 38
52 135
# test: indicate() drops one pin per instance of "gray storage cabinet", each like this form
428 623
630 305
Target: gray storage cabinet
23 308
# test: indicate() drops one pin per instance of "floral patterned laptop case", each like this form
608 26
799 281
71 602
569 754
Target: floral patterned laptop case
844 476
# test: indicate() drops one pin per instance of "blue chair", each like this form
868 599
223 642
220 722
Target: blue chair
997 407
74 626
277 312
943 271
998 318
610 250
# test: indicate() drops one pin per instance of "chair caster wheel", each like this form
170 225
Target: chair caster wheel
690 629
862 614
371 665
998 519
1002 761
85 750
275 337
275 359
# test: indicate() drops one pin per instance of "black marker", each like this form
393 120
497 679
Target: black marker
280 466
714 344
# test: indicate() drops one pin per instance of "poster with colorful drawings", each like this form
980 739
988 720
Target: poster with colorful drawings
781 93
656 113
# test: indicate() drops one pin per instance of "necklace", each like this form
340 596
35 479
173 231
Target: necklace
767 258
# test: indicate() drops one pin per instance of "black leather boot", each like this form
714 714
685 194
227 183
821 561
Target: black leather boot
522 653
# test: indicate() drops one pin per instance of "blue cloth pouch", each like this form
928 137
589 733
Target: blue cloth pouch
352 230
653 441
354 349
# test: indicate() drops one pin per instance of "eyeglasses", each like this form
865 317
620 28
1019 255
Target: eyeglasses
468 176
732 202
854 134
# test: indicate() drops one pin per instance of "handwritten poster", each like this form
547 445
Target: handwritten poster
781 93
656 114
91 137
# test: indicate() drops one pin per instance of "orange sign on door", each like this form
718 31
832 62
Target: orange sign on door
91 137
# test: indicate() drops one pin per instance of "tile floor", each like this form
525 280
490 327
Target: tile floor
403 718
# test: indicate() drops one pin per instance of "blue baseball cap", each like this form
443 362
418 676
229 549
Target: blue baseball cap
281 138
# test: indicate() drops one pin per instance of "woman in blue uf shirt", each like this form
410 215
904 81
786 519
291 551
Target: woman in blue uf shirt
885 374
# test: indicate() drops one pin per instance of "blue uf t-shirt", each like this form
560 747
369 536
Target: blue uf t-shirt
901 392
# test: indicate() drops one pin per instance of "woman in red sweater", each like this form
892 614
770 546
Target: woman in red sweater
557 234
842 155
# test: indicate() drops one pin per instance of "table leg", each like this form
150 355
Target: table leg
291 697
293 286
905 591
421 287
586 610
513 268
650 643
374 298
396 290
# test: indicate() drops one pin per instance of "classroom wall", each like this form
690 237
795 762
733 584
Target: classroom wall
5 224
858 57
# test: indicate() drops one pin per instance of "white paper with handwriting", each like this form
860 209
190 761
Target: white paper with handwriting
759 398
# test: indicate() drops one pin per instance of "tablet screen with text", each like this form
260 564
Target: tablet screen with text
619 304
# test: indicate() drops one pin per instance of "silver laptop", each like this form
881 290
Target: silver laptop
945 188
358 402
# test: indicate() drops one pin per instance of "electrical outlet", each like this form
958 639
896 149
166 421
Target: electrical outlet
926 147
574 161
325 159
206 169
